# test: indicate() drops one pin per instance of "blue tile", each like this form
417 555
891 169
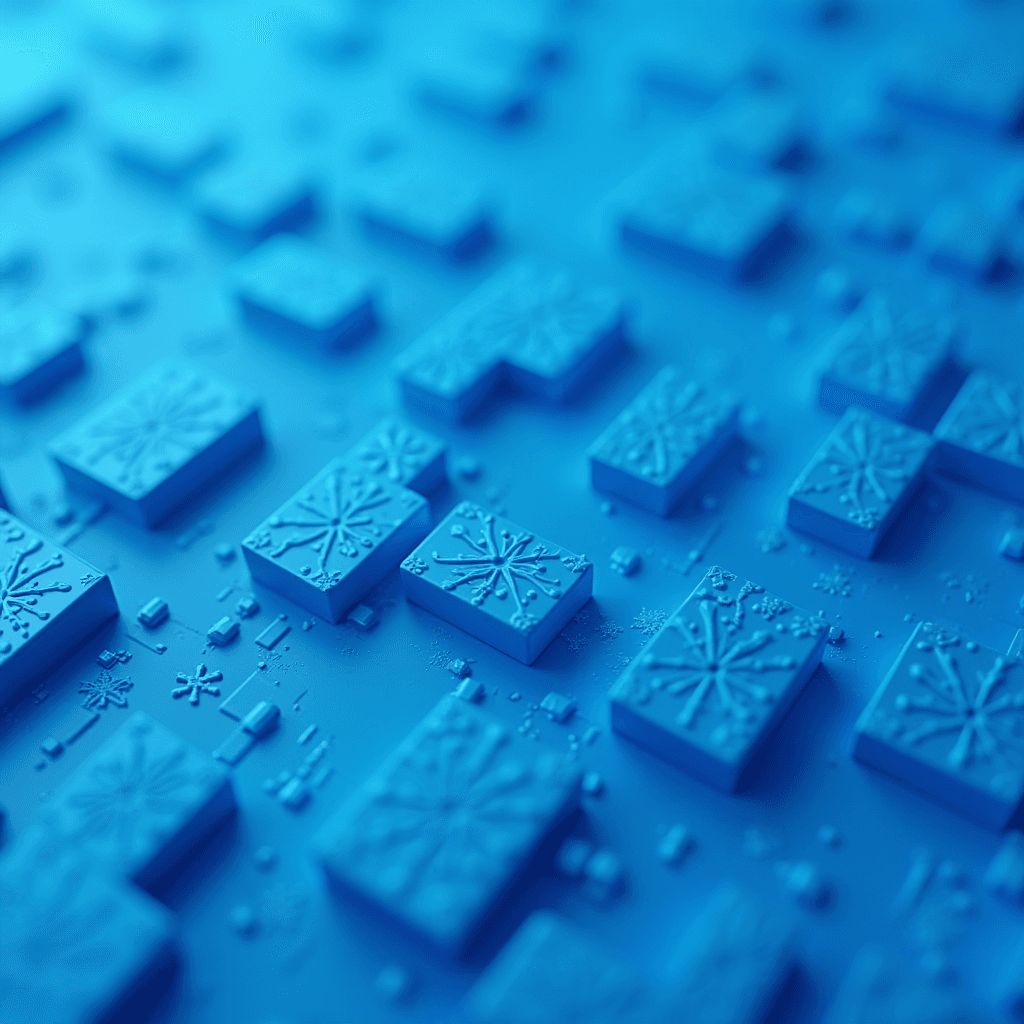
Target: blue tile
135 37
163 136
658 446
553 972
249 198
754 129
401 454
141 802
715 679
50 602
981 436
888 360
731 962
156 442
41 347
498 582
874 218
330 543
963 239
858 481
1005 874
290 287
949 720
427 208
484 796
75 944
35 95
703 217
537 328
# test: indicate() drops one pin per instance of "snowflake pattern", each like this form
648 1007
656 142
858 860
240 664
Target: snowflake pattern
145 434
439 831
415 565
987 417
195 685
664 427
105 689
396 451
24 584
890 354
866 463
648 621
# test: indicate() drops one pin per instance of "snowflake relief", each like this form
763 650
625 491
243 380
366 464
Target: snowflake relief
193 686
105 689
24 587
771 607
501 563
415 565
396 451
990 419
867 464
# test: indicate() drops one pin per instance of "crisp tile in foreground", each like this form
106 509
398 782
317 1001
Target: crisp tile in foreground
498 582
438 833
717 676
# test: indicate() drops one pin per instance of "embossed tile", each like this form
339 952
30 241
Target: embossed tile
402 454
40 348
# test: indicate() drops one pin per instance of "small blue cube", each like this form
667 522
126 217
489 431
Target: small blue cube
553 972
483 87
962 239
716 678
290 287
707 218
141 803
41 347
498 582
459 772
888 360
402 454
858 482
156 442
658 446
250 198
50 602
949 720
330 543
538 329
981 436
753 129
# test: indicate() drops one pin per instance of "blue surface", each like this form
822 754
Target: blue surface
802 205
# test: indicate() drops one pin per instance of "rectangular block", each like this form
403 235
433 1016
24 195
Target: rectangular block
886 360
50 603
289 287
552 972
731 962
330 543
403 454
949 720
716 678
536 328
981 436
443 828
41 347
140 803
498 582
156 442
35 94
477 85
963 239
706 218
658 446
76 945
859 481
753 129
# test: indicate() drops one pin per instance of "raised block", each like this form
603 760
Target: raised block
424 207
484 797
981 436
963 239
552 972
156 442
50 602
402 454
34 95
858 481
703 217
142 802
329 544
655 449
248 199
537 328
498 582
888 361
77 946
754 129
732 961
40 348
288 286
949 720
480 86
716 678
873 218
